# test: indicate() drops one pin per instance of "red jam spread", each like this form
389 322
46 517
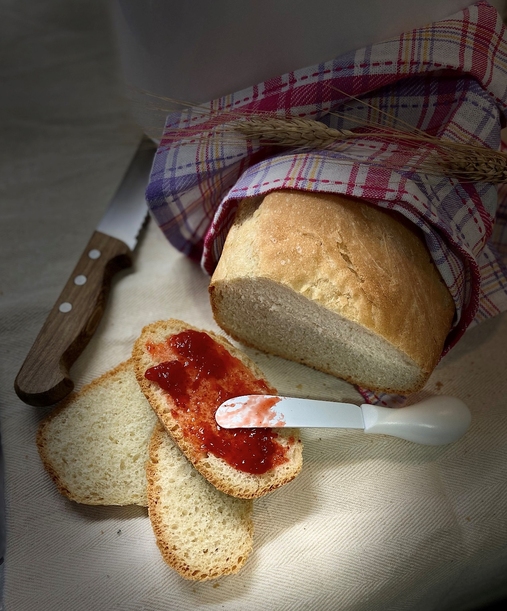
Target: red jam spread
199 374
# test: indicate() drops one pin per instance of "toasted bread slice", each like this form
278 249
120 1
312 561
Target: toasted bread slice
240 463
201 532
95 444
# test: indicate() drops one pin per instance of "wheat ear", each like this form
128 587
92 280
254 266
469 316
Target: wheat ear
291 132
464 162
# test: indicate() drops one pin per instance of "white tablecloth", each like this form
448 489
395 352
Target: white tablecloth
371 523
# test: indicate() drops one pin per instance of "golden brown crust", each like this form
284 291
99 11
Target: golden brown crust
215 470
364 264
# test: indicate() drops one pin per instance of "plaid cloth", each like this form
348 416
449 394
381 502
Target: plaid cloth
448 79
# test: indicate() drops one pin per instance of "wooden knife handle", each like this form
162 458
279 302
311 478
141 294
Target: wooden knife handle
44 376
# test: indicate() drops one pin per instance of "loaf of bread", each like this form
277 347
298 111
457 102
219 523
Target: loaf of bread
336 284
185 374
201 532
95 444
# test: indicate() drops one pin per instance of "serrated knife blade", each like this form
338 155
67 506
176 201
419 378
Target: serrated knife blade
44 376
127 210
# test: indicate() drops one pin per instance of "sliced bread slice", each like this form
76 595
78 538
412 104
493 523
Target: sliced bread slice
201 532
95 444
186 373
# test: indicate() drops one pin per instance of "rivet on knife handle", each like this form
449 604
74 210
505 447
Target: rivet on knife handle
44 376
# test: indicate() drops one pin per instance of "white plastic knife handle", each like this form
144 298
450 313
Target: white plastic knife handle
435 421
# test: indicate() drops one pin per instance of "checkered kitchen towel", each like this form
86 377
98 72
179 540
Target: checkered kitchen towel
448 79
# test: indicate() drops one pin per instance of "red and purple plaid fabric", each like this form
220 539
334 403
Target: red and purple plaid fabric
448 79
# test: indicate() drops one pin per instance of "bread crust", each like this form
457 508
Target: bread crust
218 472
348 259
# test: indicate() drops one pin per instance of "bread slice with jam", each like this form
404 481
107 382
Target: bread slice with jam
186 373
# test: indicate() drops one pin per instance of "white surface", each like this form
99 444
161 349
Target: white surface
371 523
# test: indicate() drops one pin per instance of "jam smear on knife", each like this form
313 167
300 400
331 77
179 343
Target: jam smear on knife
199 374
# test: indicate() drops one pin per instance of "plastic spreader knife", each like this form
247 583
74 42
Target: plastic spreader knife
434 421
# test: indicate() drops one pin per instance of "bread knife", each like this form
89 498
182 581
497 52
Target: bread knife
44 376
435 421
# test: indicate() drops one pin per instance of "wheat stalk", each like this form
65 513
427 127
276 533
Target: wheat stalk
470 164
464 162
